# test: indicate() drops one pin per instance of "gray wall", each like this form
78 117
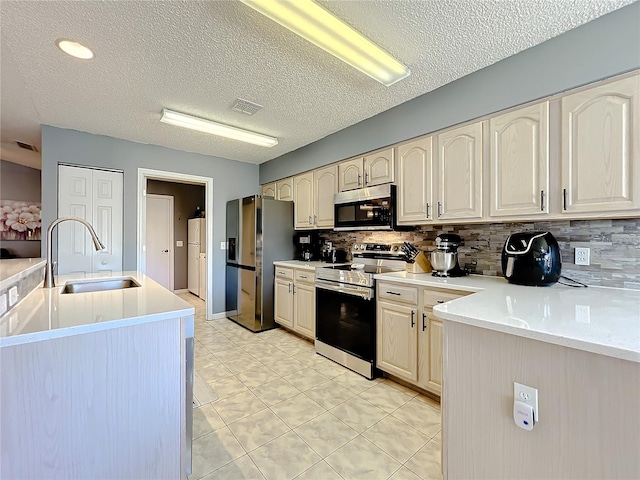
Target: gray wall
185 200
599 49
231 179
18 182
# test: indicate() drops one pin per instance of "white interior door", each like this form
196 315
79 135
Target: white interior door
97 197
159 239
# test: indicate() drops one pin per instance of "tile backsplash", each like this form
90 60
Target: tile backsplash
614 244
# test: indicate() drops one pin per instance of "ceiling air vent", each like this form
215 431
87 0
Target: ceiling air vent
245 106
26 146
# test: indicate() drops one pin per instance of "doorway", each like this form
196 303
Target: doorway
147 175
159 240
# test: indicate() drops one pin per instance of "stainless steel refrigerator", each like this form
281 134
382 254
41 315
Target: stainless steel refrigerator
259 232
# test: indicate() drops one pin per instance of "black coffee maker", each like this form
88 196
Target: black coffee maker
306 246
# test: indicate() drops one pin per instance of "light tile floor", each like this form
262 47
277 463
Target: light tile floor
268 407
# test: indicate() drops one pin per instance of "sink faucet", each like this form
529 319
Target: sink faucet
48 273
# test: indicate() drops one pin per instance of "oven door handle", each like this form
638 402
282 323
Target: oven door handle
365 293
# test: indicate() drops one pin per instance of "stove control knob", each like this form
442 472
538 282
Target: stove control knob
394 248
362 246
356 247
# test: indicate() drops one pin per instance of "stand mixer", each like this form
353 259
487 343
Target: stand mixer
444 260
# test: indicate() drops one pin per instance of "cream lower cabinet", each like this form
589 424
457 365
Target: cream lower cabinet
601 148
409 341
295 300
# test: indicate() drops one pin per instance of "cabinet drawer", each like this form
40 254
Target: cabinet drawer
282 272
398 293
431 297
305 276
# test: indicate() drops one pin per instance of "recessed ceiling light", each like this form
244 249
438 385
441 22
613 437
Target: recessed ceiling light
215 128
315 24
74 49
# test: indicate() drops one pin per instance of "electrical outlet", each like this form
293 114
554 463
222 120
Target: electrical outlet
528 395
13 296
583 256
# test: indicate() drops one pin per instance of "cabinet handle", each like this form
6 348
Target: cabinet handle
294 289
366 177
359 177
439 209
315 219
424 323
440 301
542 200
427 209
413 322
393 293
310 220
289 288
564 198
303 276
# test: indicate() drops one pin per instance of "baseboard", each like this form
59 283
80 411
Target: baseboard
217 316
182 290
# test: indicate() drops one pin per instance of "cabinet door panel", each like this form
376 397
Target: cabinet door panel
283 303
397 342
303 195
305 310
431 347
378 167
350 175
268 190
284 189
460 171
600 148
415 182
520 161
325 183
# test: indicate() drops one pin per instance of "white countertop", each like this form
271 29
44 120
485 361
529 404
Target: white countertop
306 265
12 269
46 313
600 320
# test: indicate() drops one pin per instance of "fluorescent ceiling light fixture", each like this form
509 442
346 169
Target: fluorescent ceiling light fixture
74 49
214 128
312 22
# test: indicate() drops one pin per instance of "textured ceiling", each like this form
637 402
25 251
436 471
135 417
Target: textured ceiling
197 57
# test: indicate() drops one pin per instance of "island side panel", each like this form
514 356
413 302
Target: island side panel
105 404
589 425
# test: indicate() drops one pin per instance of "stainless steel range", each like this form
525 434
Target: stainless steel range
346 307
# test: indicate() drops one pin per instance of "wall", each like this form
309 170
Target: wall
185 200
615 246
18 182
231 179
599 49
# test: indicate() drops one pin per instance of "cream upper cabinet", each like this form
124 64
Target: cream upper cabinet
350 174
325 186
415 182
460 173
303 201
379 167
519 158
269 190
374 168
601 148
284 189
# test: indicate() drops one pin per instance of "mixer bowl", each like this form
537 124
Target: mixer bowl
443 262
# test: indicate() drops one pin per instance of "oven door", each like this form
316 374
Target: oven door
346 318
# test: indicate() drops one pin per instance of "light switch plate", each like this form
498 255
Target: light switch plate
13 296
223 245
179 243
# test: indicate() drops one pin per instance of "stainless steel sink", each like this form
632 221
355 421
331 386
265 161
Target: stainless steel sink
99 285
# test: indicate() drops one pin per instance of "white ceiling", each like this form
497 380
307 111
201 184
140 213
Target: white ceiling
197 57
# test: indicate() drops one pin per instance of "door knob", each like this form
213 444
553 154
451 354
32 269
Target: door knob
165 251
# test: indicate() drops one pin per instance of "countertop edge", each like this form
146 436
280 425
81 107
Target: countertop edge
22 273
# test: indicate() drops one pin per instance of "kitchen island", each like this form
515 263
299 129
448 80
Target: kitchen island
579 347
95 385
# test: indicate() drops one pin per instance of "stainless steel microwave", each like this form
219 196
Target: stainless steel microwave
371 208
